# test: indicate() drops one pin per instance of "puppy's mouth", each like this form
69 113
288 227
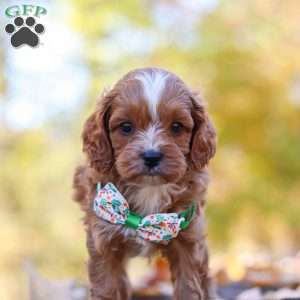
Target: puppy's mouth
151 179
149 176
153 171
136 171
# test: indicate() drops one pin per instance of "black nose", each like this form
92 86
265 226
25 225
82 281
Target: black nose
152 158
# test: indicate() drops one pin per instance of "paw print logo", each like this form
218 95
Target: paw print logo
24 32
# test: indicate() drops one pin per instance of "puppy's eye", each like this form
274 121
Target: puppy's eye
126 128
176 127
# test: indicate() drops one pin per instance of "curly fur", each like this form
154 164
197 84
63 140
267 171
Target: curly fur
181 178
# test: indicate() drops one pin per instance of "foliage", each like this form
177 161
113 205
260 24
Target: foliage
242 56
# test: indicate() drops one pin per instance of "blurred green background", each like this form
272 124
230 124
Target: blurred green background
243 56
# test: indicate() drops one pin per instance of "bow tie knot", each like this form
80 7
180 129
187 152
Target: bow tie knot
111 206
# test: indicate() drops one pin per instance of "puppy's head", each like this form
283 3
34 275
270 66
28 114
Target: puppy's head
150 128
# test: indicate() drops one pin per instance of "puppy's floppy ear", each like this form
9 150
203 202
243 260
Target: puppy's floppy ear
95 136
203 144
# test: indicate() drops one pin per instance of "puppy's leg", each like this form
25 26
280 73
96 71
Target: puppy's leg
107 275
189 268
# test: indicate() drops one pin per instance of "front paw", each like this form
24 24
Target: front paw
112 293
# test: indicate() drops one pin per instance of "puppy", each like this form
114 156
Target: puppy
151 137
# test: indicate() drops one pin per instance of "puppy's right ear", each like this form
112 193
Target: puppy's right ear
96 142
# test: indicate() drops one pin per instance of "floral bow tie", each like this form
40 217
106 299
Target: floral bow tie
112 207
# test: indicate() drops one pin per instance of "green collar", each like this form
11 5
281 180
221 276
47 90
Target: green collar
134 220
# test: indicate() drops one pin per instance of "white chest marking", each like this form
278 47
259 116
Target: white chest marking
151 199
